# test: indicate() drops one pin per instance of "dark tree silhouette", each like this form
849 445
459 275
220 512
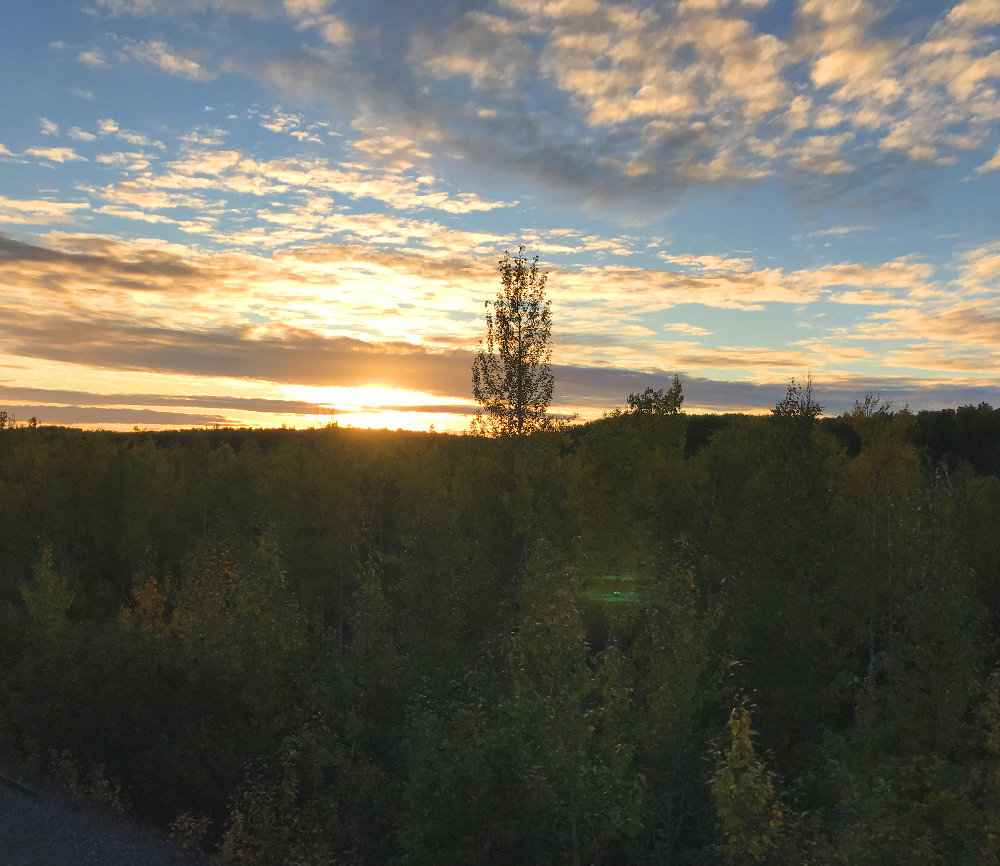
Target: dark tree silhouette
511 376
798 401
652 402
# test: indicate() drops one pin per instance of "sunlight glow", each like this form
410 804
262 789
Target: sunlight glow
368 397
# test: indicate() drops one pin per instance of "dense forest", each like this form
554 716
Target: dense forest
654 638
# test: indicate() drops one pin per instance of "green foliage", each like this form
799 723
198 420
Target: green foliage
568 711
749 812
272 823
232 604
968 435
627 490
535 771
83 785
912 775
48 595
798 402
511 375
673 679
369 647
656 402
170 727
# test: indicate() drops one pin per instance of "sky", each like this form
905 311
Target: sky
266 212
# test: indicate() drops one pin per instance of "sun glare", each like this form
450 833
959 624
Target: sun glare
368 397
376 406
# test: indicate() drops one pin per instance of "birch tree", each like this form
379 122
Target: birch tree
512 376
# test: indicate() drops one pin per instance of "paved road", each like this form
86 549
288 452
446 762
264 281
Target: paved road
50 830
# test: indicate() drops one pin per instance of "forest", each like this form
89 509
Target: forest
653 638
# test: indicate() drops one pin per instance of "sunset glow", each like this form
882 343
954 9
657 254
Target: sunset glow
227 212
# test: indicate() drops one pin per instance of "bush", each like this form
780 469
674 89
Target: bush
166 724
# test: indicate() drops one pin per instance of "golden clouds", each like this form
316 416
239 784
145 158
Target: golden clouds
482 47
231 170
675 93
56 154
712 99
992 164
38 212
353 316
344 290
159 54
415 288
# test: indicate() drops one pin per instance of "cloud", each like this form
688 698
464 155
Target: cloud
371 281
868 297
137 195
38 212
928 94
260 9
80 135
93 262
980 13
427 298
377 228
138 138
316 218
902 273
992 164
356 315
205 136
47 127
281 121
641 100
709 263
298 358
108 126
313 14
88 399
693 330
56 154
80 93
231 170
484 48
960 337
160 55
838 230
979 271
945 358
584 389
93 58
822 154
203 225
100 417
130 161
554 102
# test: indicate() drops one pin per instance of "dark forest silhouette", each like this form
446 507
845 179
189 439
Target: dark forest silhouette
736 639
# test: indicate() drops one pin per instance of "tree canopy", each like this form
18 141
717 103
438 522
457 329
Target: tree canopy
655 402
759 640
512 375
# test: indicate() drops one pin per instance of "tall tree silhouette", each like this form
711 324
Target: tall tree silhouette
511 376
